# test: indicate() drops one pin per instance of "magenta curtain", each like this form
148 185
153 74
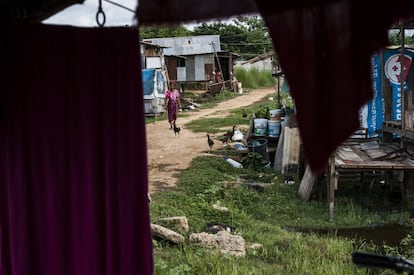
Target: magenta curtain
73 168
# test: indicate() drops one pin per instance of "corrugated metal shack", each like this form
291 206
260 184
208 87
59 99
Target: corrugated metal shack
151 56
265 61
195 58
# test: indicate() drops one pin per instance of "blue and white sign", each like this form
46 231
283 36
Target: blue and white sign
396 70
393 70
371 115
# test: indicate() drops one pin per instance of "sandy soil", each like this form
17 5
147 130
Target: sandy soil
169 154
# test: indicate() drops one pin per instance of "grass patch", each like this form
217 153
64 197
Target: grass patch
215 125
212 101
259 218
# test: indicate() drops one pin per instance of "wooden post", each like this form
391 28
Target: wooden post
331 186
409 118
409 184
387 95
402 79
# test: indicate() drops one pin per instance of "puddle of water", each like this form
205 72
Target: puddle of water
389 234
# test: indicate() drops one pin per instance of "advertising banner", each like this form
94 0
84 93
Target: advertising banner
372 114
394 74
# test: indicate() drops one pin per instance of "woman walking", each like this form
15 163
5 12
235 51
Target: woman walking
172 103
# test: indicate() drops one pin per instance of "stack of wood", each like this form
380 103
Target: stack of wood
287 157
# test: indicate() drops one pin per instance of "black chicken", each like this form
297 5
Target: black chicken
224 139
176 129
210 142
244 114
230 133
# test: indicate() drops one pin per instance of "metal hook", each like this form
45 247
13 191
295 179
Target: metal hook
98 15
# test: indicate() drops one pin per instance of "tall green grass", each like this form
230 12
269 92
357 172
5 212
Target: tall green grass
254 78
259 217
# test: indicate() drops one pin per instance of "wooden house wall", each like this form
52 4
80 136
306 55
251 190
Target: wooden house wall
208 66
208 71
171 62
151 51
197 68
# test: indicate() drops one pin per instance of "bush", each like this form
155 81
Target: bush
254 78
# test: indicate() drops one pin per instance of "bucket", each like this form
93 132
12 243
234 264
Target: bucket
259 146
274 128
275 114
260 126
239 88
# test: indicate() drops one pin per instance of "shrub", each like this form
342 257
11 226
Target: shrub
254 78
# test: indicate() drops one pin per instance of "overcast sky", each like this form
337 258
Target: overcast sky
84 15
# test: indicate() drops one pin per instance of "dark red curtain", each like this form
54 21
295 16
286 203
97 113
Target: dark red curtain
73 168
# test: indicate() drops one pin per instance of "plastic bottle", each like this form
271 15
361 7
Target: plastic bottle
234 163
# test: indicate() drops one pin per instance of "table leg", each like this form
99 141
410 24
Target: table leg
331 186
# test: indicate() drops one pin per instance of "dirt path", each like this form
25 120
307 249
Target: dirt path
168 154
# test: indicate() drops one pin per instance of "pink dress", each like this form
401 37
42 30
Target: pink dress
172 107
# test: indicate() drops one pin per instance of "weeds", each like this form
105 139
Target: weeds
260 218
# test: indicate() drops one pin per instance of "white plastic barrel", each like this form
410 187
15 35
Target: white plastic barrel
274 128
260 126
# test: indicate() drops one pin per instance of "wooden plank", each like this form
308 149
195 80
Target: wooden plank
376 165
215 88
349 155
393 123
376 153
249 134
405 133
291 150
277 164
339 162
306 184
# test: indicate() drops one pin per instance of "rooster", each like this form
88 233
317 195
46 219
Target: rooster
244 114
230 133
176 129
210 142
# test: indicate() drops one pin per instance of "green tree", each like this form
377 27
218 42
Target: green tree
258 40
162 32
394 37
245 35
230 35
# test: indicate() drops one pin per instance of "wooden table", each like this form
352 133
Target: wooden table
366 156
